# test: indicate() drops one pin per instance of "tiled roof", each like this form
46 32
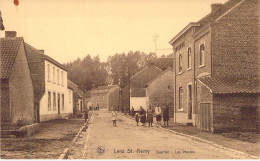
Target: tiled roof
163 62
143 77
36 67
221 87
76 89
43 56
9 48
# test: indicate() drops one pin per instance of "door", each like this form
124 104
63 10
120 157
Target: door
36 112
58 104
205 121
189 102
248 118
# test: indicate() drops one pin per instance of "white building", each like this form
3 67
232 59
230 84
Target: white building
52 96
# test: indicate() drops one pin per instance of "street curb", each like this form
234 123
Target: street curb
211 143
206 141
66 151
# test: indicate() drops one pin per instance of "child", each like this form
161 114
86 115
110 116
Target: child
114 114
137 118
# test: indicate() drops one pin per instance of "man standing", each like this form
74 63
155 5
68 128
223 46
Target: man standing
158 112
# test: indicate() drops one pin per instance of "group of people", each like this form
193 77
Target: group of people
147 116
93 108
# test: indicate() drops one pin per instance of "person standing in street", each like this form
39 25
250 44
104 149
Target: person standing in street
132 112
166 115
114 115
158 113
143 115
86 115
150 116
137 118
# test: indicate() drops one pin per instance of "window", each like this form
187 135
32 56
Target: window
53 74
189 58
202 55
169 87
69 96
54 101
62 78
62 102
58 76
180 63
48 72
180 98
49 101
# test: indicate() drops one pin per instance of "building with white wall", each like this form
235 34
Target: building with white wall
50 85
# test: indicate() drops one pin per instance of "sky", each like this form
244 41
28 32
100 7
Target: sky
71 29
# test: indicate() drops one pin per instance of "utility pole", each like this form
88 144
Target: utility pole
155 37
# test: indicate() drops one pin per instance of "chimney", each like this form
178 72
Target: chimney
42 51
215 6
10 33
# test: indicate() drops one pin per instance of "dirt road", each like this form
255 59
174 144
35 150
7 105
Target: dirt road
128 141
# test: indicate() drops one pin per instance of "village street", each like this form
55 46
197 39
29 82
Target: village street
128 141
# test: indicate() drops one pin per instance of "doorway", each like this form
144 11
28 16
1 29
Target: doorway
189 102
58 104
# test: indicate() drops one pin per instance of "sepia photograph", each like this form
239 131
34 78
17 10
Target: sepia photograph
130 79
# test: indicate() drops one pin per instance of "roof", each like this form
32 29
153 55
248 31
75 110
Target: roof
184 30
140 79
231 87
76 89
36 67
168 69
43 56
163 62
212 16
9 48
103 89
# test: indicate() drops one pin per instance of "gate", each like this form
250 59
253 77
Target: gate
205 121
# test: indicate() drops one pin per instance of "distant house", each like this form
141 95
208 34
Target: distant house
50 85
78 98
88 99
216 62
17 96
105 97
138 83
160 90
137 86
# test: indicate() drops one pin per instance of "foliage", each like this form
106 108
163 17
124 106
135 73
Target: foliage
90 73
123 66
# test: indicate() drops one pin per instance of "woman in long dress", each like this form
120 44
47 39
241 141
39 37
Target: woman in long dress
166 114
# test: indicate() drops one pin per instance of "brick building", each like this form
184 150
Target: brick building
139 81
106 97
160 90
17 96
216 60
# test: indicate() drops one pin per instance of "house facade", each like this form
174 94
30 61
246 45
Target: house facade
50 85
138 84
105 97
220 50
78 96
17 96
160 91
